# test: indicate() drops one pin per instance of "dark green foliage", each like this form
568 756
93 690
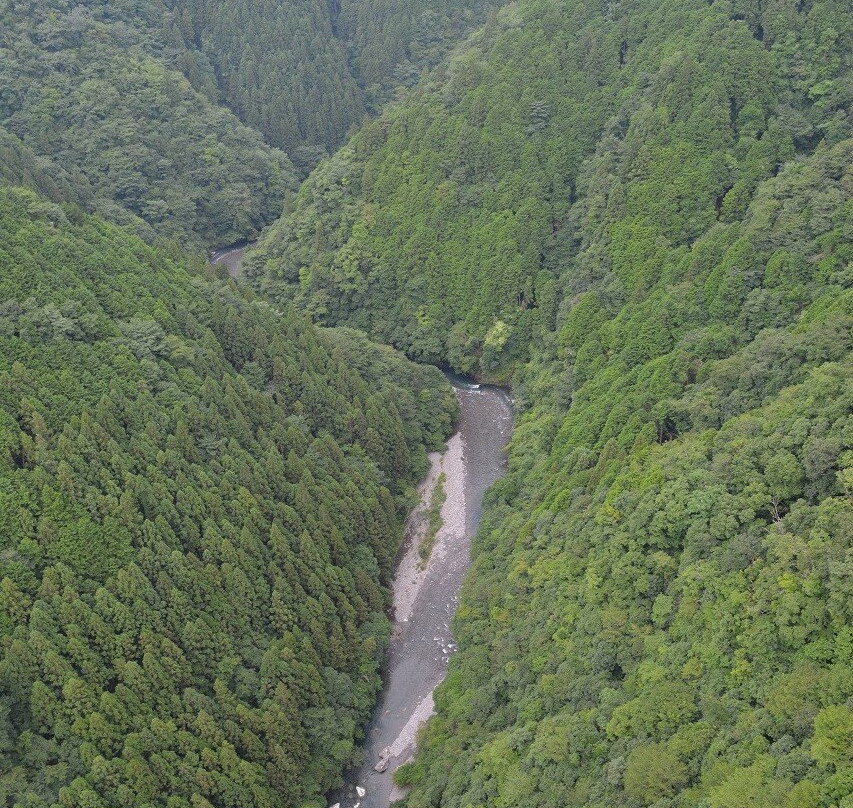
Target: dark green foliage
303 73
19 165
639 209
650 202
95 111
199 510
280 66
659 612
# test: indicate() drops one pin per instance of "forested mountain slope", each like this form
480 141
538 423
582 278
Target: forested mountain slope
639 211
643 211
94 108
444 226
199 507
303 73
660 608
118 103
280 65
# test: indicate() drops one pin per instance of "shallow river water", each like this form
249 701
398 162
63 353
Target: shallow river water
426 598
232 257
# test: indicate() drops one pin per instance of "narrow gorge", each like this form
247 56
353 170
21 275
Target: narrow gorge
243 244
426 589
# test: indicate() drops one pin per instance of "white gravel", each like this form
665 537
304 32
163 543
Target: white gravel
410 573
406 738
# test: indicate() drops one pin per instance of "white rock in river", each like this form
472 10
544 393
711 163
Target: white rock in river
360 791
336 805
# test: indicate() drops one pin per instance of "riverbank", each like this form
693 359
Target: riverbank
425 595
412 570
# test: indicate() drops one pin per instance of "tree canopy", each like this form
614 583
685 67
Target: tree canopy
640 213
304 73
200 503
446 227
94 109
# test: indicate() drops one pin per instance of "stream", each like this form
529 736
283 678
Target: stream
426 595
232 257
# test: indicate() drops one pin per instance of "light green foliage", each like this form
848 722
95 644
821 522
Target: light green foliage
433 519
653 772
832 744
640 210
658 611
200 503
754 785
635 128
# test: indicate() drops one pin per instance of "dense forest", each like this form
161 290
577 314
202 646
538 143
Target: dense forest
640 213
200 502
118 105
93 110
303 73
660 611
445 227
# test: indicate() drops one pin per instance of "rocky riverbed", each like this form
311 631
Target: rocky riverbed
426 595
232 257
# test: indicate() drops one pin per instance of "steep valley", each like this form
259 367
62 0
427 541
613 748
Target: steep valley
213 591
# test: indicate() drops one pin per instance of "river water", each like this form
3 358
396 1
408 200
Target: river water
232 257
425 595
425 599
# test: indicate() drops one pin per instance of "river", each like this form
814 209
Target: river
425 598
232 257
425 595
